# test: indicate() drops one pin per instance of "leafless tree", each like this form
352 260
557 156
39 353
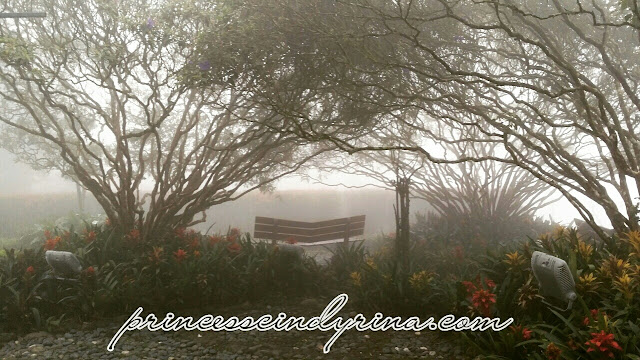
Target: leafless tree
95 91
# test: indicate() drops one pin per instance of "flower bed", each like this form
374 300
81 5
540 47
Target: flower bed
121 272
498 282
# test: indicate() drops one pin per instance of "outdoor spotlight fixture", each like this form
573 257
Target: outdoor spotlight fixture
63 263
554 277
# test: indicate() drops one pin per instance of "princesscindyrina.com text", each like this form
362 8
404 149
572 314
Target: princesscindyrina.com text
324 322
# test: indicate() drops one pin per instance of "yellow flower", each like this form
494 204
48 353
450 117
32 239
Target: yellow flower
545 241
635 272
515 260
356 278
613 267
585 250
633 238
371 263
559 231
587 282
420 281
528 294
625 285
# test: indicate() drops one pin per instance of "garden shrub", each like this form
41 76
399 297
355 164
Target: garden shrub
121 272
497 282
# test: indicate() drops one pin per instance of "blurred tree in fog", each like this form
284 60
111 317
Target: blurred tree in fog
550 87
93 90
487 200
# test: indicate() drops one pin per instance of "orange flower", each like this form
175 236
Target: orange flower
234 247
552 352
604 343
194 244
90 271
47 234
180 255
482 300
572 344
134 235
196 253
233 234
214 239
180 232
51 244
30 270
291 240
90 236
156 255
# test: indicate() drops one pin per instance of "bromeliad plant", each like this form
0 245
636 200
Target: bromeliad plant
602 324
123 271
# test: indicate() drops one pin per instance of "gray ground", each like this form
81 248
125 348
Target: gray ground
91 343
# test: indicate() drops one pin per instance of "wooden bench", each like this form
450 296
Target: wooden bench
308 232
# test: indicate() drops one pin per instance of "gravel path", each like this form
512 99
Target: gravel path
92 343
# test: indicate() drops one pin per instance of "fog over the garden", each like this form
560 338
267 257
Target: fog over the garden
294 198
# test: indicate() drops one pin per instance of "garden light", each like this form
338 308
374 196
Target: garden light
63 262
554 277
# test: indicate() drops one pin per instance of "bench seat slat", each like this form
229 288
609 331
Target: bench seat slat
308 232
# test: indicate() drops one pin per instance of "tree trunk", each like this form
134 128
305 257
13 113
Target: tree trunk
401 210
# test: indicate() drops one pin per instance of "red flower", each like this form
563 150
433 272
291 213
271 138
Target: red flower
482 300
180 232
490 284
196 253
90 236
594 314
180 255
30 270
471 287
47 234
524 333
51 244
234 247
90 271
552 352
603 343
291 240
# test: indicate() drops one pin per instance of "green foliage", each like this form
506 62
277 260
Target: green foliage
497 282
121 272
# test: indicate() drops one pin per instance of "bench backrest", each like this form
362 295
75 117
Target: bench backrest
308 232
